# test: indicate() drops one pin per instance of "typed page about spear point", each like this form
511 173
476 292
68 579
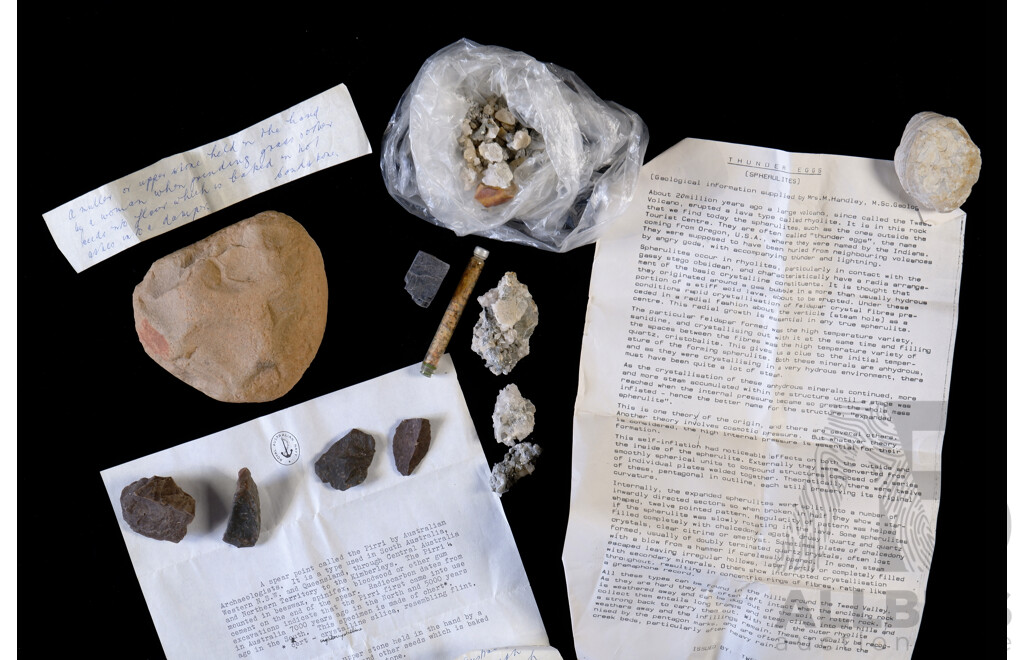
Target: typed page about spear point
759 421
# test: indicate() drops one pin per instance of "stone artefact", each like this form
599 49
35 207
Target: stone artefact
936 162
347 462
244 522
513 416
518 462
501 335
240 314
410 444
424 278
158 508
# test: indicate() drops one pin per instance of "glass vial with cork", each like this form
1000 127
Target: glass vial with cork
454 312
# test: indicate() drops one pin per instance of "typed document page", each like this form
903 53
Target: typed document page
393 567
762 396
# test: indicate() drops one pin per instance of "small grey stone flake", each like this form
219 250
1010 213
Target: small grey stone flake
348 460
424 278
244 524
410 444
513 416
518 463
158 508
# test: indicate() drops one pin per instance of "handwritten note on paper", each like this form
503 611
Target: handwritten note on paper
311 136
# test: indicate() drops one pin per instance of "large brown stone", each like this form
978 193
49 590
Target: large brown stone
240 314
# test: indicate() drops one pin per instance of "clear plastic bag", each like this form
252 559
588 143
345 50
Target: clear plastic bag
580 176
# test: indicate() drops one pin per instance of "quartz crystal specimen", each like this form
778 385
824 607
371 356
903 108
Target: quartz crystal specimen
410 444
424 278
158 508
501 335
518 463
936 162
240 314
244 523
513 416
348 460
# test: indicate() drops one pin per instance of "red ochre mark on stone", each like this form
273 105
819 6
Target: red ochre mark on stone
153 340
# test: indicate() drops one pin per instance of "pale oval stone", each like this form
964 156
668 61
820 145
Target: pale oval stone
240 314
936 162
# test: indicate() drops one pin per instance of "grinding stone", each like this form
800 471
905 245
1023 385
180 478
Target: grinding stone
240 314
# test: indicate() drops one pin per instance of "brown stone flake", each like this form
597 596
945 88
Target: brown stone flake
158 508
410 444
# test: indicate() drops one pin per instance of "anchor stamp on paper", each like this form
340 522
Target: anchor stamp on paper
285 448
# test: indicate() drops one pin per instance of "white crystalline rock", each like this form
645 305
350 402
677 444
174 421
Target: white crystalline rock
498 175
501 335
513 416
519 140
491 152
518 463
936 162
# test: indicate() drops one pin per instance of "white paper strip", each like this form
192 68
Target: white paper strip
311 136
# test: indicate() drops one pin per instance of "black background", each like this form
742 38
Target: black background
103 95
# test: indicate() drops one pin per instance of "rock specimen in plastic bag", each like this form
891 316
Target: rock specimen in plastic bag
936 162
493 144
244 523
348 460
158 508
518 463
410 444
424 278
240 314
502 333
582 154
513 416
